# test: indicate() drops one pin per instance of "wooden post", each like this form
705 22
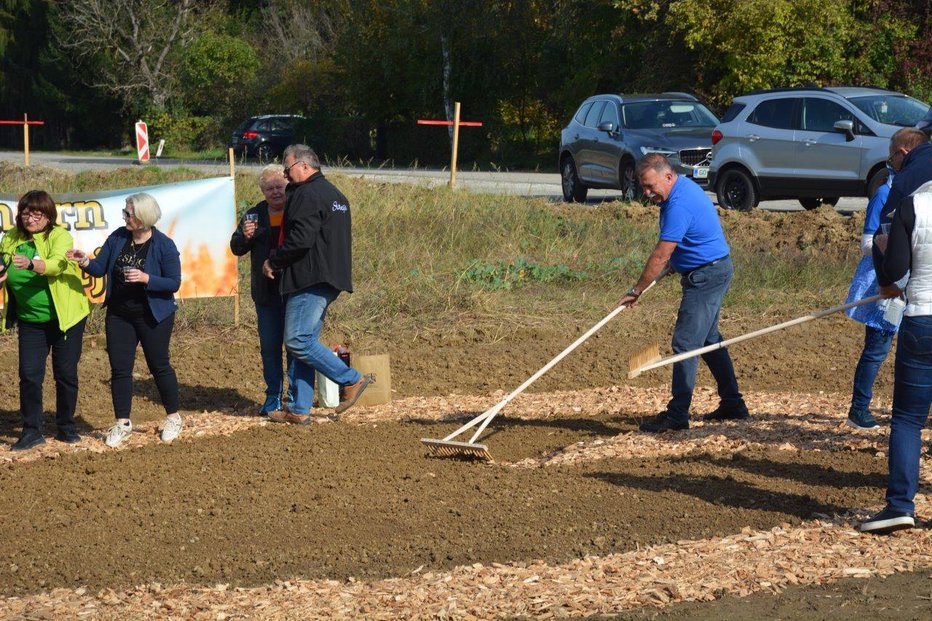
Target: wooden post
456 143
26 140
236 291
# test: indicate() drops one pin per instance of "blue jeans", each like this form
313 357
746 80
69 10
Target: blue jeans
271 323
876 347
912 396
697 326
304 319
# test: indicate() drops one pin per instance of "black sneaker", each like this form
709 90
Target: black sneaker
664 422
862 419
887 521
69 437
728 411
28 441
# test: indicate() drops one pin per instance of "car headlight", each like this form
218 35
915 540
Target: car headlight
661 150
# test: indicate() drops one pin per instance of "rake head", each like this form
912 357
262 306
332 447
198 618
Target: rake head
450 448
638 361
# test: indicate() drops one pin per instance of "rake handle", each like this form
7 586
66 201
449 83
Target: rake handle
486 417
755 334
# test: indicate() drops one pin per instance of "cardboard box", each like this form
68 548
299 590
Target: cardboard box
379 390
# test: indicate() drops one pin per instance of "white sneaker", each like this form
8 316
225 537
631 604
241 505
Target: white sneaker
171 429
118 433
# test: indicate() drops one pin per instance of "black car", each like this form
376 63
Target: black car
266 136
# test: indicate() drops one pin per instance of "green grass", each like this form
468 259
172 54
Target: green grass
432 257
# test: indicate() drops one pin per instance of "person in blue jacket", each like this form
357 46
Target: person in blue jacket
143 270
880 320
911 160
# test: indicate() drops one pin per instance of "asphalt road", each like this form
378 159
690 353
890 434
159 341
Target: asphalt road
543 185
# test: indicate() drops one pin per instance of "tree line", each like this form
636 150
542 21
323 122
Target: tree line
363 71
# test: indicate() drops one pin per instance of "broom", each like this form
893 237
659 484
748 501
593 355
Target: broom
448 447
649 357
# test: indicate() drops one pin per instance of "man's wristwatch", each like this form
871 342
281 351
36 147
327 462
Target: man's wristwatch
32 266
633 293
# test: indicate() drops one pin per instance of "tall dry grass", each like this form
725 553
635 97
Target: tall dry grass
434 257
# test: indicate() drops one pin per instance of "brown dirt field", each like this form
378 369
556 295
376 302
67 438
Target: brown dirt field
358 502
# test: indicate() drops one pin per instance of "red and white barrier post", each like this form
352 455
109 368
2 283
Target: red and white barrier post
142 142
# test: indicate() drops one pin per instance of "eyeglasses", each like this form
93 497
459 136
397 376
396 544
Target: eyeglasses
890 159
288 168
33 215
127 215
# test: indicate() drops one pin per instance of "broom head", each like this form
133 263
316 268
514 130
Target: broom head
638 361
451 448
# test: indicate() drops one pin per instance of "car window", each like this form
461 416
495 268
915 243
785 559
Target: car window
262 126
820 115
667 114
592 118
581 113
777 113
609 114
733 111
279 125
892 109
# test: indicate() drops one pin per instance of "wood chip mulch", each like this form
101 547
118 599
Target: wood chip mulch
752 561
812 553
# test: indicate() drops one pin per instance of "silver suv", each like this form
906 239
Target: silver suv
811 144
604 140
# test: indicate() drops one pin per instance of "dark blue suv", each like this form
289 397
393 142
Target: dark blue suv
266 136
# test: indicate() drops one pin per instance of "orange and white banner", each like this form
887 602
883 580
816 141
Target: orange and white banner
197 215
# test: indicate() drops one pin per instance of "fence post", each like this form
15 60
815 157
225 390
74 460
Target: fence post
26 140
235 219
456 143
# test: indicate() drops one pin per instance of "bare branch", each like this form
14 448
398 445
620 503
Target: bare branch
131 39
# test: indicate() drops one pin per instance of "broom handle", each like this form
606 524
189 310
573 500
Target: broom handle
761 332
487 416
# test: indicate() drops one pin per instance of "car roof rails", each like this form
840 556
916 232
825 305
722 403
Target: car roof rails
787 89
650 96
864 86
681 94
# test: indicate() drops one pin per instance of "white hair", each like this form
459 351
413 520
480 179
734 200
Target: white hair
145 208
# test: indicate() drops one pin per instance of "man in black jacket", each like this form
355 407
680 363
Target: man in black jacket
313 264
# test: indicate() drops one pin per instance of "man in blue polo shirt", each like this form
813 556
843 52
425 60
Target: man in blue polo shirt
693 244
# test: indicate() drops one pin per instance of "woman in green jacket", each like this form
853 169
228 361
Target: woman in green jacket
42 292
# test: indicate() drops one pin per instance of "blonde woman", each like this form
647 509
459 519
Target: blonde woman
143 270
259 234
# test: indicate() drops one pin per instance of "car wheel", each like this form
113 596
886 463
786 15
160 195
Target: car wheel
877 179
573 189
814 203
630 190
735 190
264 153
